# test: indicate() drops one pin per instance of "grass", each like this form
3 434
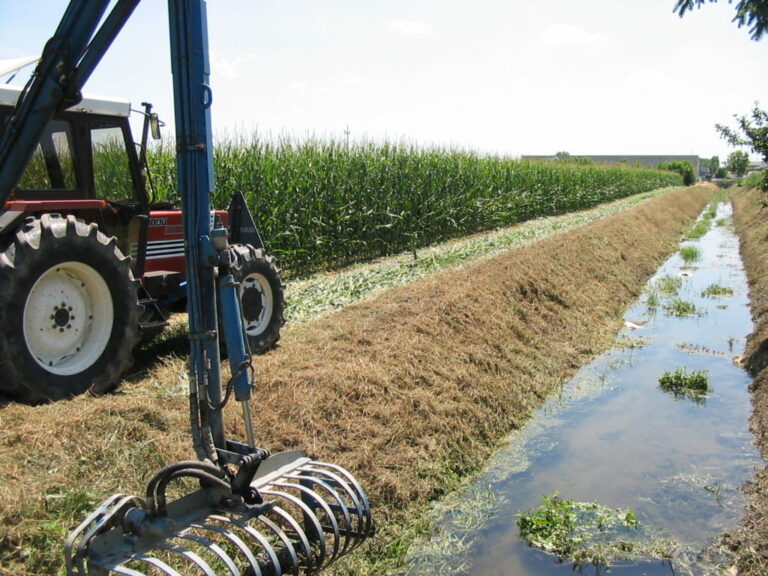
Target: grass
408 392
680 307
669 284
690 254
715 290
681 383
585 532
310 297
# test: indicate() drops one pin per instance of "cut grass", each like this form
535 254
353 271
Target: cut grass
587 532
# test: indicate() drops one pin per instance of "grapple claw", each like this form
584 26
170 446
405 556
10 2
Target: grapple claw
313 514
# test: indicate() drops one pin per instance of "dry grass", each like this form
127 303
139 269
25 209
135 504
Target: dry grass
407 390
751 220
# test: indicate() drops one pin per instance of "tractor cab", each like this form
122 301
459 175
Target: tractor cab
85 164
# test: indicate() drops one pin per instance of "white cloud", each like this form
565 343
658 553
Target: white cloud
561 34
411 28
230 67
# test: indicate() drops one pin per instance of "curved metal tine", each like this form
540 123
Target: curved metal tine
287 544
235 540
309 515
363 514
127 571
286 517
342 506
263 542
352 481
89 528
156 563
189 555
315 497
215 548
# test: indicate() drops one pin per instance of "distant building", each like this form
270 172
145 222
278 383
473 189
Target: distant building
643 160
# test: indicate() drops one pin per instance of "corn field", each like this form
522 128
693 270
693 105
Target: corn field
324 204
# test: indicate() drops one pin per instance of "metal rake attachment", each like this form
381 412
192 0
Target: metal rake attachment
297 517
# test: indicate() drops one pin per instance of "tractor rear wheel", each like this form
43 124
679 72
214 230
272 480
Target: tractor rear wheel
260 290
68 310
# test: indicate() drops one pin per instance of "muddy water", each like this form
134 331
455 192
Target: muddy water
612 436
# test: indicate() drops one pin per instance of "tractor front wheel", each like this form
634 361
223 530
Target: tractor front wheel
68 310
260 290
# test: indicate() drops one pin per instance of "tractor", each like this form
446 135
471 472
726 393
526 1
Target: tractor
73 301
91 264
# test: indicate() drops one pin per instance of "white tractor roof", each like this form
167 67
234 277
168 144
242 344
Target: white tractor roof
9 95
10 65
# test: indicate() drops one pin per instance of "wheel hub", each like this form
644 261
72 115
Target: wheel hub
68 318
256 302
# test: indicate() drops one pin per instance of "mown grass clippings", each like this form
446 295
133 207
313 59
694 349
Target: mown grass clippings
310 297
683 384
716 290
586 532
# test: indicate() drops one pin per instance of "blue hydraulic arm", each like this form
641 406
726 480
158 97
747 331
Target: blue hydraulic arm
66 63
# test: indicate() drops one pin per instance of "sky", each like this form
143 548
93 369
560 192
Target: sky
503 77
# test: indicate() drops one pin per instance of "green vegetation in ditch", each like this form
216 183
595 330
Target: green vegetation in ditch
716 290
690 254
669 284
684 384
680 307
588 532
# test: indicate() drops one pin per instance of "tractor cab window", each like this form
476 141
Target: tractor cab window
53 163
111 169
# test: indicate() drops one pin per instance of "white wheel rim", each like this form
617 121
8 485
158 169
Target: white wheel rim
68 318
251 287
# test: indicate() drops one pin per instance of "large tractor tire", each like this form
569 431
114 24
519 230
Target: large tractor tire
260 289
68 310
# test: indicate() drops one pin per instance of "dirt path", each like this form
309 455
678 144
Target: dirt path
751 219
410 390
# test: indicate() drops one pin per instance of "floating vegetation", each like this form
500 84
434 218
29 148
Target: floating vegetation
684 384
669 284
699 349
587 532
627 342
690 254
679 307
715 290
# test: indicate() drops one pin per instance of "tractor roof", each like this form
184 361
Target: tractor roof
9 95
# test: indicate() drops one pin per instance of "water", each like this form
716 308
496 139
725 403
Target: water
614 437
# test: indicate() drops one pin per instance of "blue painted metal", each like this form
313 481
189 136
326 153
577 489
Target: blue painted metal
68 60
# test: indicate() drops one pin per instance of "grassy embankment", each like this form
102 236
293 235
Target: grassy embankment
411 390
751 219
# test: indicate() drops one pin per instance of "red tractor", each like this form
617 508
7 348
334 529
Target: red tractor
90 265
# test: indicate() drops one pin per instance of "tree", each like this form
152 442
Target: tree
752 13
682 167
752 131
737 163
714 166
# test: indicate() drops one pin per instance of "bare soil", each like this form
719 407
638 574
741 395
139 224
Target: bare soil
751 219
409 390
